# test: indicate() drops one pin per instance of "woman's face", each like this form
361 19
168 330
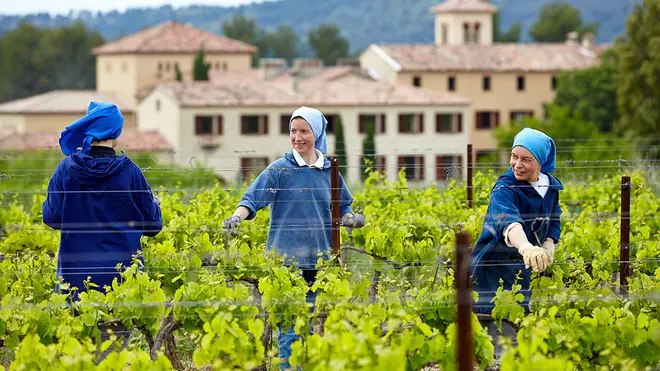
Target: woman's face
524 165
302 136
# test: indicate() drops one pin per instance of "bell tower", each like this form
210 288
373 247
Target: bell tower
461 22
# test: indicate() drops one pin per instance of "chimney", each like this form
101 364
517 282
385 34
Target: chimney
572 38
271 67
588 40
306 67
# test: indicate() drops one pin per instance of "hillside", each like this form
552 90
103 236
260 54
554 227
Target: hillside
363 22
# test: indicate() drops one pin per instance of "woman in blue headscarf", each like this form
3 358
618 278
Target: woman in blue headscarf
298 228
522 224
102 204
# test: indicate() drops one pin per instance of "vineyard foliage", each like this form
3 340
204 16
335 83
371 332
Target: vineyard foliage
203 298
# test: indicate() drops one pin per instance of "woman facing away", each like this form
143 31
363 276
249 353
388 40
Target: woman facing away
298 189
522 225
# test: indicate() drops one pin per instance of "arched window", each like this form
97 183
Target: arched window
477 33
466 33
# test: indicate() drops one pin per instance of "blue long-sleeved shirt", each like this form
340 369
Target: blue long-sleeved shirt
512 201
102 205
300 216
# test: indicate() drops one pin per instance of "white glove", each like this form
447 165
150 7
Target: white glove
535 257
549 248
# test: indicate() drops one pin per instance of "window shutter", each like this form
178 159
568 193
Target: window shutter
400 163
220 125
199 125
265 124
383 126
362 125
439 168
421 167
244 124
438 123
497 118
477 120
402 124
244 168
421 122
460 123
284 124
512 115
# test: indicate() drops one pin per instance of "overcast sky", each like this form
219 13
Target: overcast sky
63 6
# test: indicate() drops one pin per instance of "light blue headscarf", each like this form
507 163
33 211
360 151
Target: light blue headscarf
541 146
317 122
103 121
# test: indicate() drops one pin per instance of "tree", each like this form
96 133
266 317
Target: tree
328 44
340 146
556 20
510 36
283 43
32 61
246 30
369 147
576 139
200 68
177 72
639 74
591 93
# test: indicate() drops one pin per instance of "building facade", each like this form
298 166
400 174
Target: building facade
503 81
153 55
239 128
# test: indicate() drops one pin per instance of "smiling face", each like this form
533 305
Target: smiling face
524 165
302 136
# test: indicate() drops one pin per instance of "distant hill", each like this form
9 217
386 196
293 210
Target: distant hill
362 21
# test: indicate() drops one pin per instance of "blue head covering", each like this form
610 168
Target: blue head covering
103 121
540 145
317 122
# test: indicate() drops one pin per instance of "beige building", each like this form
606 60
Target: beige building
151 56
53 111
237 123
503 81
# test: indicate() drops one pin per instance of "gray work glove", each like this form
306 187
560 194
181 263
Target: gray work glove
354 221
232 222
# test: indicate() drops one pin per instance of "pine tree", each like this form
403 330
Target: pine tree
340 147
201 69
177 71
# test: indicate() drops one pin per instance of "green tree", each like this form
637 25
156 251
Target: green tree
200 67
369 147
510 36
577 140
282 43
556 20
328 44
246 30
591 92
340 146
177 72
32 60
639 74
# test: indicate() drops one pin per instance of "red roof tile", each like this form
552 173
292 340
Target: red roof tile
65 101
130 140
173 37
491 58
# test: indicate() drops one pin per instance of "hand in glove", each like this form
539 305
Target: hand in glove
549 247
232 222
535 257
353 221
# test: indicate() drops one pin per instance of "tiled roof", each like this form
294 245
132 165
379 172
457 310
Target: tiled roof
349 91
493 58
130 140
173 37
464 6
253 76
64 101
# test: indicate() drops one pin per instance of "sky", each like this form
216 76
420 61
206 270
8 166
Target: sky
63 6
